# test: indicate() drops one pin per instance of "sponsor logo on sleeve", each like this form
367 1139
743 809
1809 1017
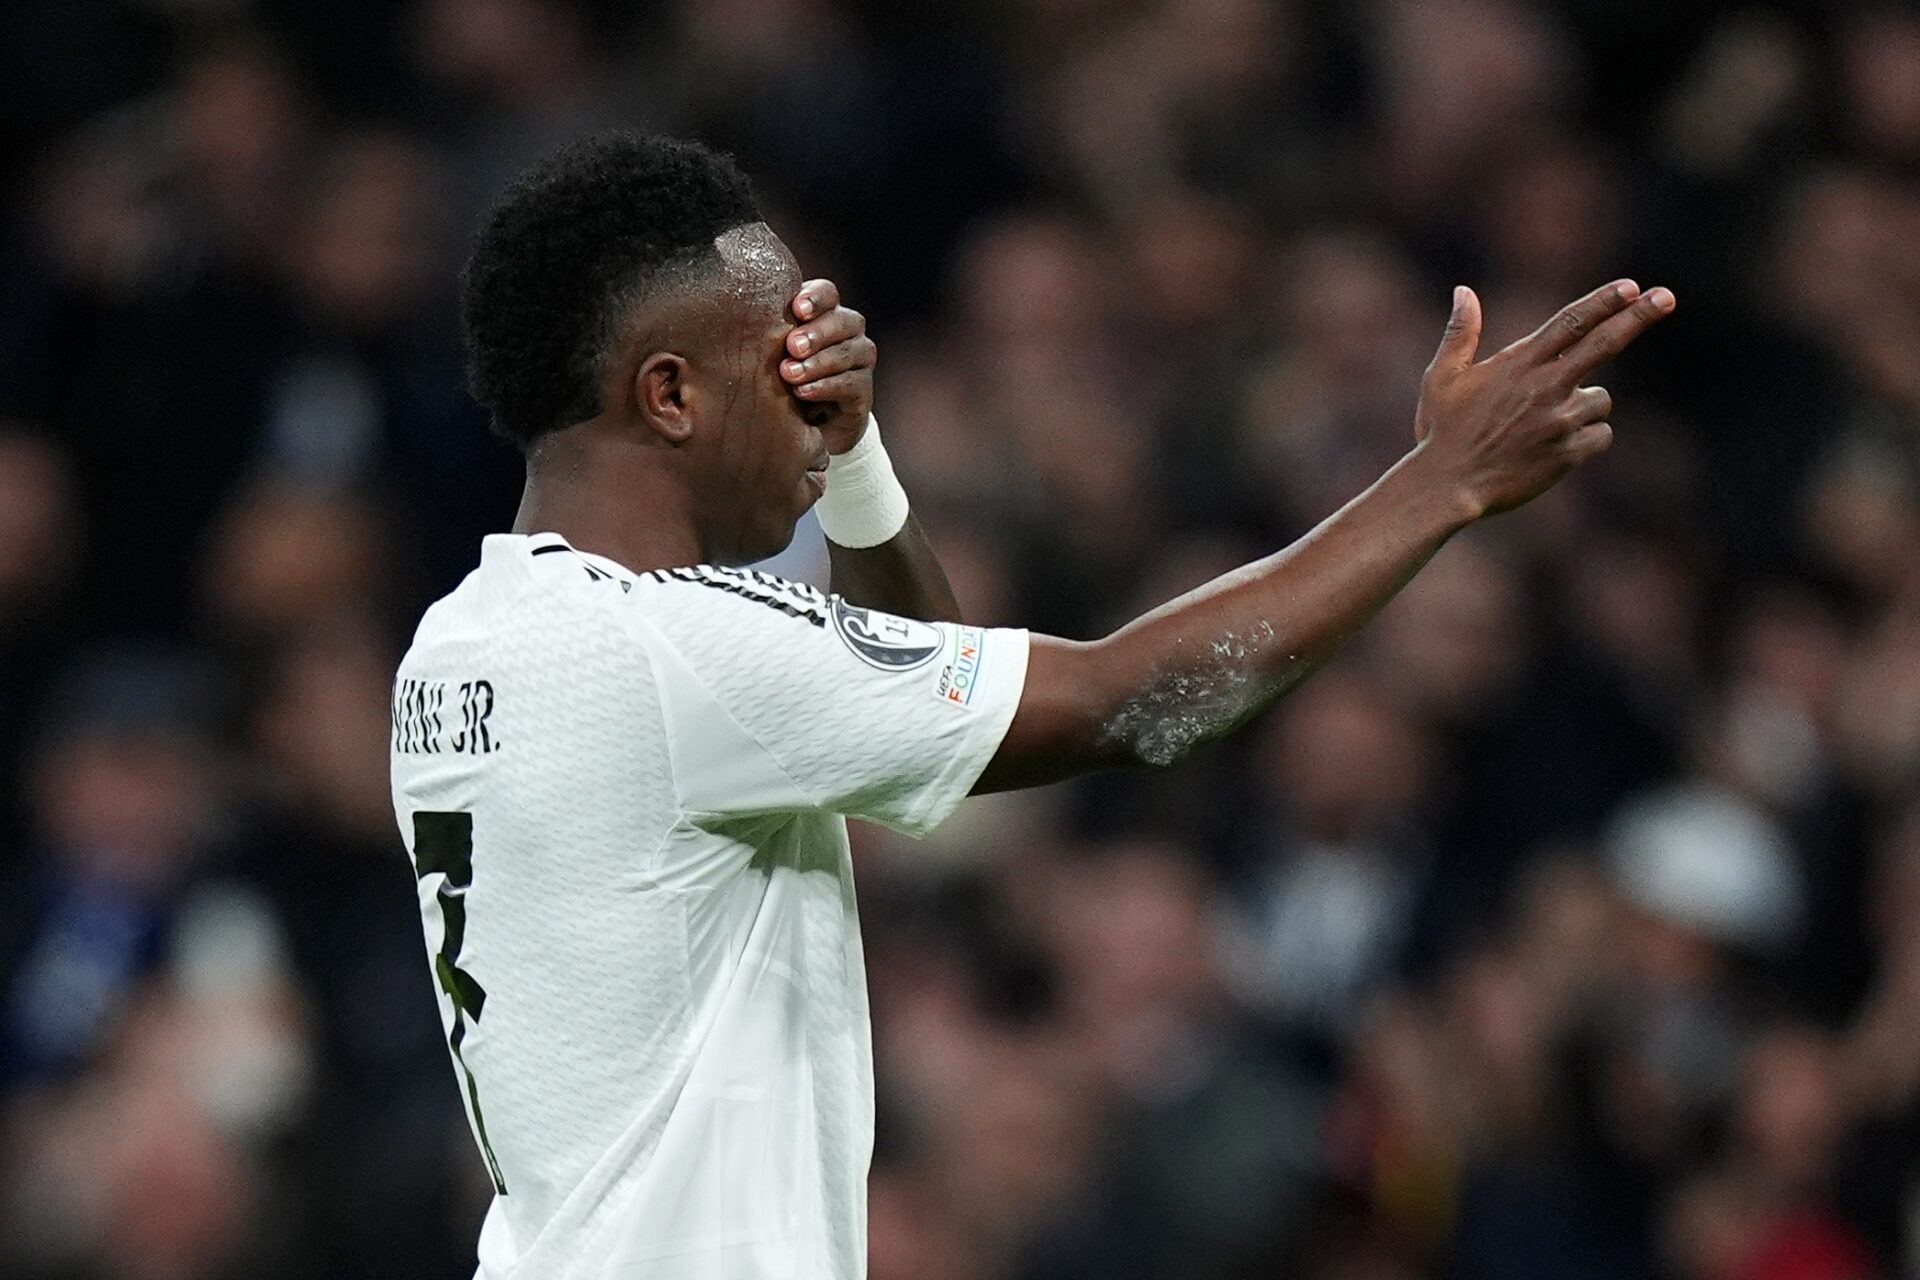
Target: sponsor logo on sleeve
966 655
883 640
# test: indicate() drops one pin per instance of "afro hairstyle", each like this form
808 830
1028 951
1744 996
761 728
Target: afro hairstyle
567 249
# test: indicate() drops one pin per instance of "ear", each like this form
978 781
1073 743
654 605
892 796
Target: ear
661 393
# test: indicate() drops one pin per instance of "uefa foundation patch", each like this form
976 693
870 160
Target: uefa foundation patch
966 657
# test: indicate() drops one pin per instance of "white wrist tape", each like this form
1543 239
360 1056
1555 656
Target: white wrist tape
863 505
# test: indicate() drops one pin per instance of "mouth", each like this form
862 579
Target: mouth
817 477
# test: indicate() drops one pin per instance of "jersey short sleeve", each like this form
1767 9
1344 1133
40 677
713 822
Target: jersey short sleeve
780 698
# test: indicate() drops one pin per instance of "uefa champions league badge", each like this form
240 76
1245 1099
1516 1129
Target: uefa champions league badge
885 641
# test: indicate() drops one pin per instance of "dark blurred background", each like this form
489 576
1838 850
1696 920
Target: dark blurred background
1567 927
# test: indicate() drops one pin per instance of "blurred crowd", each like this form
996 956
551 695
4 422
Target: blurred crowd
1567 926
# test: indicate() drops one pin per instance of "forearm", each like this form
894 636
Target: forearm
900 575
879 557
1193 669
1196 667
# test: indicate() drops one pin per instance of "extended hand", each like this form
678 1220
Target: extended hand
830 364
1507 428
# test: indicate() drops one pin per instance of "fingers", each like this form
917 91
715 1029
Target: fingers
1587 404
835 326
855 353
1613 335
814 298
1461 340
1577 319
839 387
842 324
831 358
1589 441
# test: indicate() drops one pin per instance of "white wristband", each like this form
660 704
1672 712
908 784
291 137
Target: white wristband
863 505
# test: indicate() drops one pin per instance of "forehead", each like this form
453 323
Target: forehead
761 274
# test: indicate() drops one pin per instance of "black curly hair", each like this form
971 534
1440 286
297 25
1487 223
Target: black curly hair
567 249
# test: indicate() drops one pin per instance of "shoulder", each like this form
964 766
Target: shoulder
748 601
705 588
528 601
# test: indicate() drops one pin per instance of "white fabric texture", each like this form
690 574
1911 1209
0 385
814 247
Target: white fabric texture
649 959
863 505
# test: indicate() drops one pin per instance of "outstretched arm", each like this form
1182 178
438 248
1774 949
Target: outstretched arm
830 367
1489 436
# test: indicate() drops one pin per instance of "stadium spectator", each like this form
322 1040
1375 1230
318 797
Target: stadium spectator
1214 237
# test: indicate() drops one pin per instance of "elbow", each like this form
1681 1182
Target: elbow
1177 712
1157 732
1155 746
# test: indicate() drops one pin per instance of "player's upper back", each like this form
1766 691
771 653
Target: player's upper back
621 792
730 692
546 623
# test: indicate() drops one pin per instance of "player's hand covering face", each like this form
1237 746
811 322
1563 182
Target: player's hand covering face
830 363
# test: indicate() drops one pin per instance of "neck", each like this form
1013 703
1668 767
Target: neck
606 493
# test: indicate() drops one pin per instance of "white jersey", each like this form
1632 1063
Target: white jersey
623 794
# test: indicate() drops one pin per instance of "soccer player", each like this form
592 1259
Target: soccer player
623 765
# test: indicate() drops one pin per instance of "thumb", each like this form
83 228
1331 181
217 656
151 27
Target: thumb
1461 341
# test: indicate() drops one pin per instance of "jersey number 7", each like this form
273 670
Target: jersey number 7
443 843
